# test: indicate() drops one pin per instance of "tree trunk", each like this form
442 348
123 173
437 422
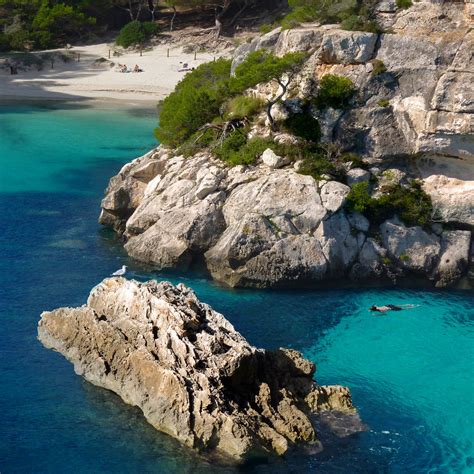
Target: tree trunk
172 18
218 18
271 103
151 8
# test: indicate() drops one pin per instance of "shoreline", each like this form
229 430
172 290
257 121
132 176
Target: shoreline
101 102
95 78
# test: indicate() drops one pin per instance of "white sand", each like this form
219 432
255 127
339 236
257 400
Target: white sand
75 80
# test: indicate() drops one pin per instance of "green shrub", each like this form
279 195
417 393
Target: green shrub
304 125
359 198
198 142
243 106
317 165
195 101
55 23
404 257
412 205
20 39
404 4
229 150
352 14
135 33
335 91
383 103
252 150
237 150
265 28
378 67
360 23
262 66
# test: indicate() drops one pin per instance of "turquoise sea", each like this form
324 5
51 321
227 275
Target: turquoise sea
411 373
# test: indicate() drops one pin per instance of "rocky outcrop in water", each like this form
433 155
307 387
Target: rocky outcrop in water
190 372
268 225
261 226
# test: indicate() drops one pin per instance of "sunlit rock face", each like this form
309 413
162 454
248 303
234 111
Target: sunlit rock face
190 372
267 225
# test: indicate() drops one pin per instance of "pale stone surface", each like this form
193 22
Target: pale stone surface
454 256
357 175
414 249
266 41
190 372
333 195
339 245
369 263
272 160
347 47
358 221
450 184
406 52
298 39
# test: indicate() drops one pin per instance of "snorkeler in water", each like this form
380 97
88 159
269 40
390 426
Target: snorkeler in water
391 307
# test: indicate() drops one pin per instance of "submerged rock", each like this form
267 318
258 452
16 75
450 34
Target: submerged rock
190 372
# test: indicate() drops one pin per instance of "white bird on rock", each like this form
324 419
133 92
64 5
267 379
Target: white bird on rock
120 272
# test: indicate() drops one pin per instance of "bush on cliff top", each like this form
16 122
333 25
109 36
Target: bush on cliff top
195 101
352 14
262 66
199 98
243 106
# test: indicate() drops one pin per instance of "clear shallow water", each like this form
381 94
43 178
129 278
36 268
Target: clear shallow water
411 373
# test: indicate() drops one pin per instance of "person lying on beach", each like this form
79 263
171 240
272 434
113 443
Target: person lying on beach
122 68
391 307
137 68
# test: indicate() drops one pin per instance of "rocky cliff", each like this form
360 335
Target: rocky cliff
268 225
190 372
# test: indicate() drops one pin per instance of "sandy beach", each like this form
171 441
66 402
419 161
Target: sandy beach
88 80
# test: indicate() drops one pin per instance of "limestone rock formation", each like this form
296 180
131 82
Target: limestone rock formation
268 225
260 226
190 372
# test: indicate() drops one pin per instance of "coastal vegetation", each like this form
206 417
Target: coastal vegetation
352 14
335 91
410 203
209 103
136 33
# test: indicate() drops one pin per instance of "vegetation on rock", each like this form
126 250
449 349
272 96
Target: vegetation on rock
404 4
378 67
352 14
412 205
335 91
242 106
304 125
209 98
262 66
196 101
